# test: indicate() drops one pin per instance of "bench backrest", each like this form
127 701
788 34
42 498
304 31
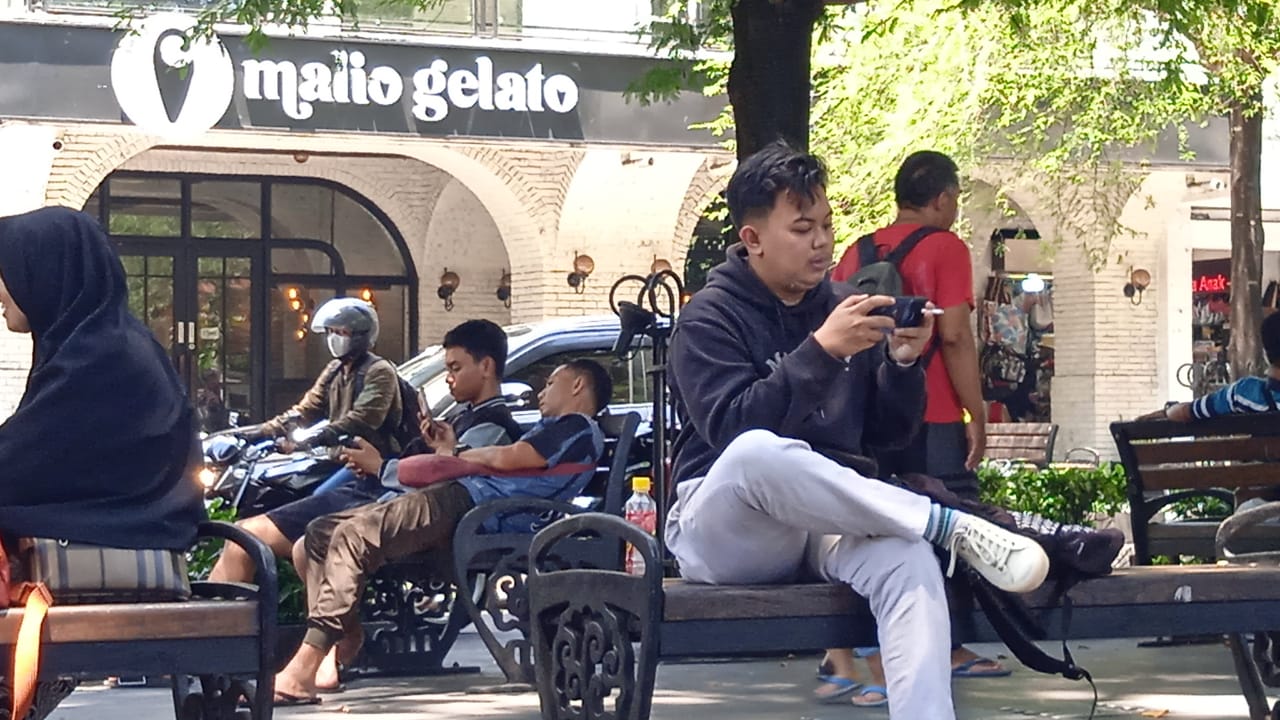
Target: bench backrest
610 481
1224 452
1028 442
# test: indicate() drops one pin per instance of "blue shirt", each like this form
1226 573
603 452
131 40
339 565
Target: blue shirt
1246 395
568 439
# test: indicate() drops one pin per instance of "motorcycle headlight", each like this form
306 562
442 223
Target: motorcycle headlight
207 477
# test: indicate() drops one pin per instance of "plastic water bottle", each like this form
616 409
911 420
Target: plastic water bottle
642 512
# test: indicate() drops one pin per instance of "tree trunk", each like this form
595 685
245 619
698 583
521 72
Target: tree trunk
769 80
1244 353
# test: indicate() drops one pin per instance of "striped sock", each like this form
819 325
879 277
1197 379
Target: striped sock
942 520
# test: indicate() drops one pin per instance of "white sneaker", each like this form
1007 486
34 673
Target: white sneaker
1012 562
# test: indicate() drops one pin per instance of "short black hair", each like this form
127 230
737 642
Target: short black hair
924 175
481 339
769 172
1271 338
597 379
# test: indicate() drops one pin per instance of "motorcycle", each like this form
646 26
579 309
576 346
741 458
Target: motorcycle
254 477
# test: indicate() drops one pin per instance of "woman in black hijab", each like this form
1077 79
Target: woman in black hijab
99 450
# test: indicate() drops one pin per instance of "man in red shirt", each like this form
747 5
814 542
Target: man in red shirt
939 267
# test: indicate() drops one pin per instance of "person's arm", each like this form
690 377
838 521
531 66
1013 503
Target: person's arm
369 411
565 439
485 435
958 351
312 407
723 392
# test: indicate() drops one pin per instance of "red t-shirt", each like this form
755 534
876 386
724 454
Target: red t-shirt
940 269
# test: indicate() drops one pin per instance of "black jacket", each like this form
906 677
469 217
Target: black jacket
741 360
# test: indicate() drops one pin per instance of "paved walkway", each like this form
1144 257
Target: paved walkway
1190 683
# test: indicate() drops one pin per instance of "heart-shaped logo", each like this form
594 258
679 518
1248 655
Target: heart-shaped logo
168 82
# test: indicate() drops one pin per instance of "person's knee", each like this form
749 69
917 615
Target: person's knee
754 448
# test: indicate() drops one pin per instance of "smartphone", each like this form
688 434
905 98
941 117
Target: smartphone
424 407
906 311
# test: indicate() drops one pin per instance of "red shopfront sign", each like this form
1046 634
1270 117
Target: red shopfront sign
1211 283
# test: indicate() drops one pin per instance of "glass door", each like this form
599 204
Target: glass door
201 307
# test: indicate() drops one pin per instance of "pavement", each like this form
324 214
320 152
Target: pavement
1194 682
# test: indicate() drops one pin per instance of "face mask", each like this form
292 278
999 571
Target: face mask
339 345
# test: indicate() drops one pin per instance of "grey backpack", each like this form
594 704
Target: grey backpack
877 276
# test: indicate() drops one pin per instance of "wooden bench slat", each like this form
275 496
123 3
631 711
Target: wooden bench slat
143 621
1035 458
1016 441
1125 586
1247 449
1216 476
1034 429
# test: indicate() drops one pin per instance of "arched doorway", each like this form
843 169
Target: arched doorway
226 271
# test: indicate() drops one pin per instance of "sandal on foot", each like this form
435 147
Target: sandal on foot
844 687
871 690
965 669
282 699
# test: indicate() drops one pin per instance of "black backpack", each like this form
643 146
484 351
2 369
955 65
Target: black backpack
404 428
880 276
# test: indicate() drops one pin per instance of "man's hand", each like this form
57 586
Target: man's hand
364 459
906 345
442 438
849 330
976 433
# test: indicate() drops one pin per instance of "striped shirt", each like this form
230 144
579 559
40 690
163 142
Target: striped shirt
1246 395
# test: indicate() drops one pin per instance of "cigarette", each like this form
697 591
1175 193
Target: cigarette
932 311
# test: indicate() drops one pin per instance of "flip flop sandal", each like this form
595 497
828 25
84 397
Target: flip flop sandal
286 700
869 690
965 669
340 687
844 688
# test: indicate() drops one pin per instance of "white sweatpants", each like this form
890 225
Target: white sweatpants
769 505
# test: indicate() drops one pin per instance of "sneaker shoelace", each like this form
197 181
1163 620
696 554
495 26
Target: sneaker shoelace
992 549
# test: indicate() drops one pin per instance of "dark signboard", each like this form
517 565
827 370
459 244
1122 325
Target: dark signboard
153 78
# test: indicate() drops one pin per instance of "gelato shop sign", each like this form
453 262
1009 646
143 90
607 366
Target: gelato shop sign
170 86
348 79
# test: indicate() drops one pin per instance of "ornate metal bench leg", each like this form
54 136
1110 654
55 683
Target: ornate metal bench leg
1250 679
49 694
584 623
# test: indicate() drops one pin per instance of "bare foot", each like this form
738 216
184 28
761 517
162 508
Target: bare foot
297 679
327 676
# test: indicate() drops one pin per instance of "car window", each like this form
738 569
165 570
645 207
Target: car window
630 378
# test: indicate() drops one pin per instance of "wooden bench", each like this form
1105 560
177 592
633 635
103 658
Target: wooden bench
586 621
218 647
1166 462
1024 442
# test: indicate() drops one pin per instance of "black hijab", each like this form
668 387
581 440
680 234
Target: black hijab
99 448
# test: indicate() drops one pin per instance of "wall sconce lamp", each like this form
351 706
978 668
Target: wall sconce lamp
659 265
583 266
449 282
1139 280
504 289
366 294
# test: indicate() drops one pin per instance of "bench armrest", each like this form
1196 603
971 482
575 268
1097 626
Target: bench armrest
1228 529
267 592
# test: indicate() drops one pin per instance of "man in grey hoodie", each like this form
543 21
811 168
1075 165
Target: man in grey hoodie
771 364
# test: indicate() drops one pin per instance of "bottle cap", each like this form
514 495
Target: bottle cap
641 483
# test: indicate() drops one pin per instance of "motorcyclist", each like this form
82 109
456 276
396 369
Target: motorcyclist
350 326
